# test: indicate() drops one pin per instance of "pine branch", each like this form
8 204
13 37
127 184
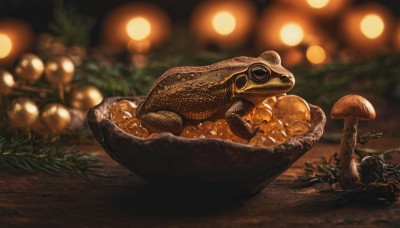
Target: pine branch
23 153
361 139
71 26
117 80
324 171
366 137
385 187
326 84
388 191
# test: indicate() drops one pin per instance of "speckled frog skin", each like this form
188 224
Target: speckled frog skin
228 89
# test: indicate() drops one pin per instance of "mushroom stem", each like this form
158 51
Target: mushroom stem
349 175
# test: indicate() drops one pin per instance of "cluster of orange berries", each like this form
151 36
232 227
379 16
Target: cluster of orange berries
279 119
123 114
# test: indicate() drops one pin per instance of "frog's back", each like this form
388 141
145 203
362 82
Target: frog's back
194 92
187 73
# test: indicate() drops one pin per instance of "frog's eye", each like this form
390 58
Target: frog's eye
260 73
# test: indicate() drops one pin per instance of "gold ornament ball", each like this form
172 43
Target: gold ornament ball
29 67
85 98
60 70
56 117
22 113
6 82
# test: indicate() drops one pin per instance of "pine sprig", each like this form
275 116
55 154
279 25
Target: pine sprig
326 84
23 153
324 171
384 188
70 25
366 137
117 80
361 138
388 191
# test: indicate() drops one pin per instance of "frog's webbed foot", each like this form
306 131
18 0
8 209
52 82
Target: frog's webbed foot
234 117
162 121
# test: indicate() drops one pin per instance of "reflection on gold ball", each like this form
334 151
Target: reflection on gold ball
29 67
6 82
22 113
85 97
56 117
60 70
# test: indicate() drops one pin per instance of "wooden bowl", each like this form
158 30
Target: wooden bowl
206 166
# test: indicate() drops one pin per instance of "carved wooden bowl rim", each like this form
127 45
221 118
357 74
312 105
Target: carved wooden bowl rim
201 162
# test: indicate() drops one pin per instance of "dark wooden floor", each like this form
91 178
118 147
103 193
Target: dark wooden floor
125 200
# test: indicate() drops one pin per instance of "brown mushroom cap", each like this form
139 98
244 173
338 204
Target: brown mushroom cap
353 106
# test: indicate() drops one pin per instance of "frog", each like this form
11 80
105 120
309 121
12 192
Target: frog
224 90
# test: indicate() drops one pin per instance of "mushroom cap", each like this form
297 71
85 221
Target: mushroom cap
353 106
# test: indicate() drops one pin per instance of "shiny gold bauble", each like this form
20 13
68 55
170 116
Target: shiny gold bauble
56 117
6 82
29 67
60 70
22 113
85 97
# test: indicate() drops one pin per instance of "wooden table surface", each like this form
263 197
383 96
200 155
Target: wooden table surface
125 200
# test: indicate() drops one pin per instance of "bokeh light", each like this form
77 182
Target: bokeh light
68 66
16 37
372 26
319 8
281 28
368 28
138 28
5 45
291 34
135 27
224 22
316 54
318 4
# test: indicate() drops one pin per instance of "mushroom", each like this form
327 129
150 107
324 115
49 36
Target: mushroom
350 108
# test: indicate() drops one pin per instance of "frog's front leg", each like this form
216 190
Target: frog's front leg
234 117
162 121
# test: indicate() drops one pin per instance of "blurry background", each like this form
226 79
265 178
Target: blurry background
334 47
252 25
